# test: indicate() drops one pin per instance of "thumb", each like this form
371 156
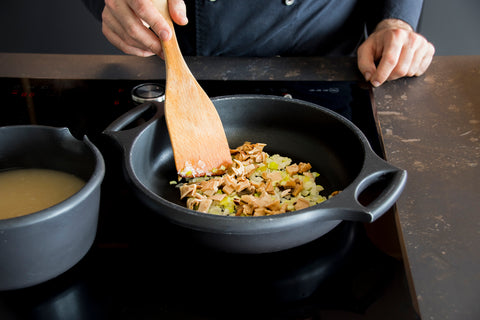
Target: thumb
178 12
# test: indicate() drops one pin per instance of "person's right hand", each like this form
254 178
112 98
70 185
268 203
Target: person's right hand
125 24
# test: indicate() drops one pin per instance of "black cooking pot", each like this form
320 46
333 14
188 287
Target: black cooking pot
303 131
39 246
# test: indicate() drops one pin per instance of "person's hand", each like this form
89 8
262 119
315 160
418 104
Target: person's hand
393 51
125 23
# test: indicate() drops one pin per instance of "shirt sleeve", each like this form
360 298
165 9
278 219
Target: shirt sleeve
95 7
406 10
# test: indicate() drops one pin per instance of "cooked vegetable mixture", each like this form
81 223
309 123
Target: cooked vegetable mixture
257 184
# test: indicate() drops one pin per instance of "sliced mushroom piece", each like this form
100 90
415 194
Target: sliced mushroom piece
204 205
301 204
187 190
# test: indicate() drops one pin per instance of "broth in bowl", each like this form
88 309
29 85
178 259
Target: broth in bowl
25 191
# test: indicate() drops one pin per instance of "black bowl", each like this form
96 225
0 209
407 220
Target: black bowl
39 246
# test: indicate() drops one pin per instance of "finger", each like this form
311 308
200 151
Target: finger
115 33
111 25
130 28
178 11
426 61
420 54
124 47
404 62
416 61
420 45
390 57
145 10
366 59
422 58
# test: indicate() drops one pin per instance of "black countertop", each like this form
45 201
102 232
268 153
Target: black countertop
430 126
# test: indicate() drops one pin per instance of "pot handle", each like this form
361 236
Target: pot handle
132 115
117 128
346 204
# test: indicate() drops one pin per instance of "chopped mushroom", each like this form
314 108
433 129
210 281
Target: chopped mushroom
242 185
218 197
304 167
228 189
274 176
298 188
301 204
204 205
255 185
187 190
293 169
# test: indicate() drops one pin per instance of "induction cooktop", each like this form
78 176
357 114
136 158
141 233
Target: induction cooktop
141 267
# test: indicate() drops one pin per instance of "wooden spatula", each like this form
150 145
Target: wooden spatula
200 146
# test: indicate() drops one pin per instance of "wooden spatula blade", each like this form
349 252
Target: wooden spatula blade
199 143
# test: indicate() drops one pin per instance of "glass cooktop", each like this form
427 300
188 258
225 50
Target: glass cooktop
140 267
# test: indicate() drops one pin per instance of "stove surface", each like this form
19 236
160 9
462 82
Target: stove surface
140 267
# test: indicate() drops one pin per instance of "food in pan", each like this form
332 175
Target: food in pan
257 184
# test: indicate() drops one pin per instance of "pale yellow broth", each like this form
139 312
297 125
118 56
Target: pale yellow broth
25 191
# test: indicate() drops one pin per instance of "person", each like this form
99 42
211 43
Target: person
382 33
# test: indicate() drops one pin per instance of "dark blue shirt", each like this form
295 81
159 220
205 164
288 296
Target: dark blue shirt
284 27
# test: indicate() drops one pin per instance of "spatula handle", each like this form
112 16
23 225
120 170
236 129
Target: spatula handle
171 50
162 7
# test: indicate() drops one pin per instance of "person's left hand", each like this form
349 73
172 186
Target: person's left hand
399 51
